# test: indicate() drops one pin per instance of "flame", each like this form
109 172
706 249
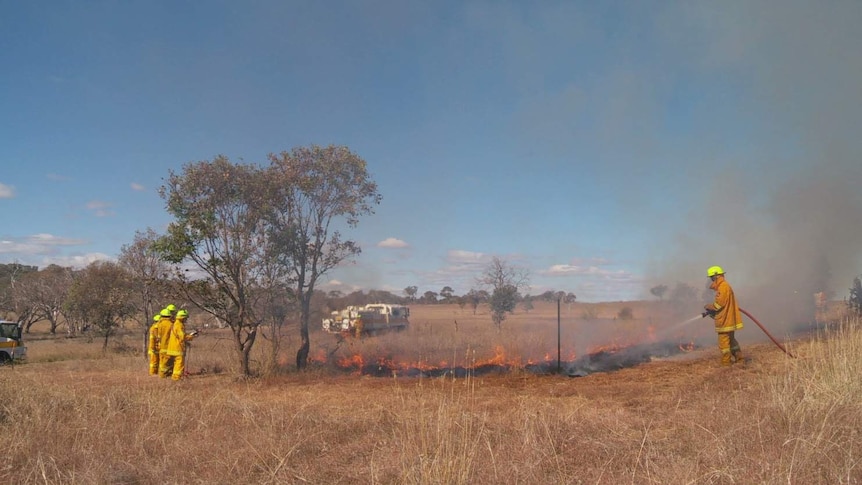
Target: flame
687 347
355 360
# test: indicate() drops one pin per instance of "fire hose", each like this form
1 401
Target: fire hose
778 344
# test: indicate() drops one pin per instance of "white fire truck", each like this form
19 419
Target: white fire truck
367 320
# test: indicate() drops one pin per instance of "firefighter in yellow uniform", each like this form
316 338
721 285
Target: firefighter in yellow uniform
153 345
176 345
725 311
163 330
360 326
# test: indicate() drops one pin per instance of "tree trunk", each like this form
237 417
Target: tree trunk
305 342
246 370
302 353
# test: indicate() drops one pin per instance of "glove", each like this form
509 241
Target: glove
707 313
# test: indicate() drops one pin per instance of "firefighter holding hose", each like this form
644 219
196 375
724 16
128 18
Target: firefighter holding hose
728 319
177 346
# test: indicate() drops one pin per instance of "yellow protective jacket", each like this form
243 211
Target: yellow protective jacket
164 330
177 338
727 315
153 342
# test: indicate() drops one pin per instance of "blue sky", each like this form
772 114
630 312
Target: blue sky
602 146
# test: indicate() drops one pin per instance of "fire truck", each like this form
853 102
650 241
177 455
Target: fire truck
11 344
367 320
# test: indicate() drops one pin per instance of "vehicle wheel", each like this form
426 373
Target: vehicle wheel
5 359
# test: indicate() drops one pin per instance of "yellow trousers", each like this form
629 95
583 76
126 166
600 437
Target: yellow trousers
729 347
154 363
173 365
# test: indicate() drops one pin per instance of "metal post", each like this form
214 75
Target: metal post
559 361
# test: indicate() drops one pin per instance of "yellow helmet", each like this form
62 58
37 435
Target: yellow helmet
171 307
714 270
182 314
165 313
157 318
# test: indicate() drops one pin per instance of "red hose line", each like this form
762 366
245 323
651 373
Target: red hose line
767 333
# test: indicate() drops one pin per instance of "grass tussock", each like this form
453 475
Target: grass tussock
75 415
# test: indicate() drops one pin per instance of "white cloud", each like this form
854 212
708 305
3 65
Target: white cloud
392 242
100 208
6 191
594 271
591 261
37 244
138 187
461 256
76 261
50 239
338 285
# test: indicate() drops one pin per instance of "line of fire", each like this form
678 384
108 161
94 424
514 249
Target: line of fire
379 319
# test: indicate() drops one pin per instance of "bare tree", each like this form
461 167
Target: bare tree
42 293
149 274
315 189
505 280
10 276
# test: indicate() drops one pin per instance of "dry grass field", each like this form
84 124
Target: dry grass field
74 415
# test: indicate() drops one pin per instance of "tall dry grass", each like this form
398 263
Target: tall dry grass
74 415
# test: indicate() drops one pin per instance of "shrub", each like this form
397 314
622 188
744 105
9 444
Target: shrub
855 301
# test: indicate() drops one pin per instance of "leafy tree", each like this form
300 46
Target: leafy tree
462 302
527 303
429 297
658 291
101 295
314 189
218 209
683 293
549 296
474 298
447 293
410 292
570 298
505 280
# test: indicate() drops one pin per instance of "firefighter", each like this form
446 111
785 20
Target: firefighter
176 346
359 326
725 311
153 345
164 329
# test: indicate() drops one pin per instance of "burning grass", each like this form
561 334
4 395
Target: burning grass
101 419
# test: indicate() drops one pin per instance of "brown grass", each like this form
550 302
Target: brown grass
75 415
